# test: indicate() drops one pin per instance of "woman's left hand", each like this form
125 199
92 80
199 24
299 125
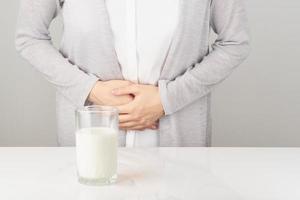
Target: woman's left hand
143 111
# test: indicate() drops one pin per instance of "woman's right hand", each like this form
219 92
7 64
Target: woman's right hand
101 93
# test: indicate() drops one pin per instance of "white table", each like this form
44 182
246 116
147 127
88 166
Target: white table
160 173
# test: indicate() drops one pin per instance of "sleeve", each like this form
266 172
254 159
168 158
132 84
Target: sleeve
229 22
34 43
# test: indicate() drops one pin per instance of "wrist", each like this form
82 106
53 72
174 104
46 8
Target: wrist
93 93
160 106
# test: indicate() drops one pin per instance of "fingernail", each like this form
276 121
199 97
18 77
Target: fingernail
114 91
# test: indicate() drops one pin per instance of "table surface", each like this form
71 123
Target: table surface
42 173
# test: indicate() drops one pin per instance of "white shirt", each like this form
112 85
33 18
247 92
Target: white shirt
143 31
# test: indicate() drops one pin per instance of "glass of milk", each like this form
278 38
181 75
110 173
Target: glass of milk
96 144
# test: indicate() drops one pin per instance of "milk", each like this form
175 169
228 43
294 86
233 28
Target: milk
96 150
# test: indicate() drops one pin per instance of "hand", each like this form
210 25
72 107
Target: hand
101 93
145 109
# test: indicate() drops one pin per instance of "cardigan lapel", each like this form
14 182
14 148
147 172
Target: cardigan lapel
110 42
175 44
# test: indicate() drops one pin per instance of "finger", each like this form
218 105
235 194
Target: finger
129 89
129 82
130 124
154 127
142 127
125 118
125 109
137 128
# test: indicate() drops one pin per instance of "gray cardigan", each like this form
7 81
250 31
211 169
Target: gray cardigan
86 54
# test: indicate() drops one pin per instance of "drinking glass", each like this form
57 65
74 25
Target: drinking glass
96 144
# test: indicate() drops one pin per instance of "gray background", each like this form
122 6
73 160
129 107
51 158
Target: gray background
259 105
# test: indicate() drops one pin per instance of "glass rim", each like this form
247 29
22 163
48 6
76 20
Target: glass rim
97 109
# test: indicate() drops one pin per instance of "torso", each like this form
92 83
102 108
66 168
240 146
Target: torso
88 43
143 31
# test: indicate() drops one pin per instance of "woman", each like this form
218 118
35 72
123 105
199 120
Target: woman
151 59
